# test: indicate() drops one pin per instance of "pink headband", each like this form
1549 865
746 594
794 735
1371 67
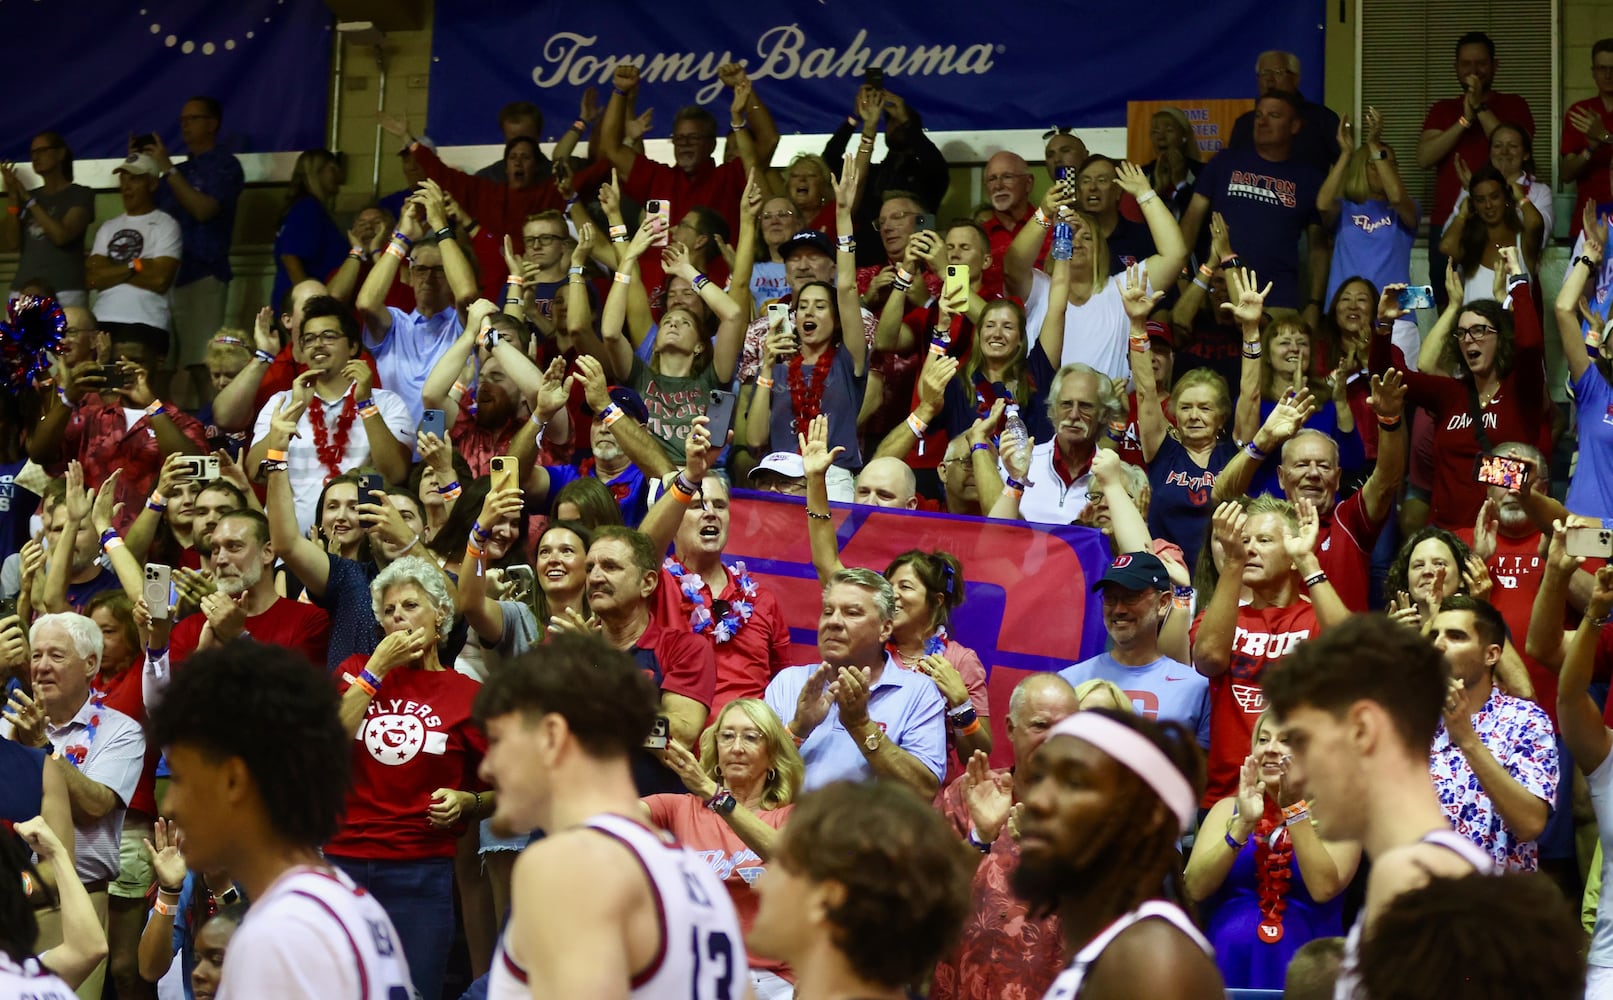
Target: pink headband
1139 755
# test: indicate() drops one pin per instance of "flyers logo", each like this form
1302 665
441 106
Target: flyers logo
1121 561
1249 698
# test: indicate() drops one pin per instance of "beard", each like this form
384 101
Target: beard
494 409
235 586
1044 885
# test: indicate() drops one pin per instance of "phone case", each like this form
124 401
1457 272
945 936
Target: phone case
1592 543
433 422
721 414
505 473
158 586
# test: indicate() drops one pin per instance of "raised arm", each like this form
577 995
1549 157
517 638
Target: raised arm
371 302
1248 302
125 563
1170 251
1020 260
662 520
1212 648
730 319
938 372
1138 303
1051 335
1327 198
1394 188
1388 402
1301 548
750 211
1568 297
1284 421
309 561
816 457
618 356
456 263
1578 717
624 82
847 188
481 611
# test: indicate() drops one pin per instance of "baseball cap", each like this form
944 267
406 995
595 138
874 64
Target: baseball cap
1161 331
785 463
1136 571
630 402
137 163
807 239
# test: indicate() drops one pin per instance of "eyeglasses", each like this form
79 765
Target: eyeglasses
321 337
749 737
896 217
542 240
1474 333
1094 496
777 216
1004 178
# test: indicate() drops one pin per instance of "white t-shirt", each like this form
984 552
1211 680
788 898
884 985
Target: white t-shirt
121 239
30 981
1047 500
302 456
313 935
1095 332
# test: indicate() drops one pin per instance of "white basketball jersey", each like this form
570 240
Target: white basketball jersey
316 935
1068 985
702 952
30 981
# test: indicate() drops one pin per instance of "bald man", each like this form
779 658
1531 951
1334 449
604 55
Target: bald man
1008 189
887 482
1003 952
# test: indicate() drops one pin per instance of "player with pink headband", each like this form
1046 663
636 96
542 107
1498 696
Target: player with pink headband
1105 799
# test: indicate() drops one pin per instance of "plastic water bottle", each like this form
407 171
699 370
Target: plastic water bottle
1063 241
1014 431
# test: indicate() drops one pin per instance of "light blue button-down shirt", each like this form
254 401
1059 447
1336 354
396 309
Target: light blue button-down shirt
906 705
404 358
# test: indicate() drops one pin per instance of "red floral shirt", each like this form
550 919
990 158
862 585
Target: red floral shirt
99 436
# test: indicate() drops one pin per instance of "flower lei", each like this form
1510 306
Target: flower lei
330 450
1274 872
701 619
78 751
933 646
806 395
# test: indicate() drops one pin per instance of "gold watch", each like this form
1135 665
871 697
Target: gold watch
872 740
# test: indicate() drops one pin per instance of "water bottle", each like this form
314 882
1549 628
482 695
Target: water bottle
1063 241
1014 431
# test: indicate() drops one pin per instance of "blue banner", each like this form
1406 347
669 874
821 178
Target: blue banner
964 66
99 70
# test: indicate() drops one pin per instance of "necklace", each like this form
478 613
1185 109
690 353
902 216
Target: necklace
933 646
331 450
701 620
1274 872
76 752
806 396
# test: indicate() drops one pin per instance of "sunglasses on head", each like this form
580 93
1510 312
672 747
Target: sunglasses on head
1056 130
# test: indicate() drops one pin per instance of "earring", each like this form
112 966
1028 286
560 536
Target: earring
717 771
771 774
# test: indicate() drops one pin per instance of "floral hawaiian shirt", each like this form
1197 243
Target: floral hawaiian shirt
1519 735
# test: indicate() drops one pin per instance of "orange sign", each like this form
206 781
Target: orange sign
1211 121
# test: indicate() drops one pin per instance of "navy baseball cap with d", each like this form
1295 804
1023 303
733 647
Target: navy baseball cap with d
1136 571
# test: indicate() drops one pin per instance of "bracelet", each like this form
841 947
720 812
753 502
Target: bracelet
368 409
814 515
1318 577
397 236
396 251
1041 219
976 842
1139 345
360 683
516 280
1587 261
159 905
275 454
451 491
407 548
357 253
136 265
622 278
700 282
109 536
1206 272
267 466
610 414
1297 812
1385 424
1201 283
1233 843
615 231
1252 350
970 729
159 503
764 382
917 426
444 235
1462 121
790 727
478 533
846 244
1013 491
574 271
1148 196
263 356
1011 483
979 446
680 493
579 126
157 406
460 387
1254 452
474 551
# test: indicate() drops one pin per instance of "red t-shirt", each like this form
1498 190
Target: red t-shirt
1596 183
1520 411
745 663
1265 635
680 662
417 736
1344 550
497 207
123 693
1001 237
292 624
717 186
1474 146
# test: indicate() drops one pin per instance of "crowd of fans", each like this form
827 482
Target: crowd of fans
479 465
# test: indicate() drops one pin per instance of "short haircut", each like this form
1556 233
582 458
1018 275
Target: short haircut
964 222
1476 938
260 523
241 700
84 634
904 874
1488 624
1290 60
1094 158
638 542
898 194
224 486
884 594
1365 658
421 573
1022 690
321 306
1110 405
1314 970
1268 504
1523 450
1602 45
520 109
1310 434
553 215
609 704
57 139
695 113
209 104
1288 97
1207 378
1475 38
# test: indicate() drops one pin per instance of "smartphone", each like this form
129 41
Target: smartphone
957 277
663 211
659 733
874 76
1589 541
1063 174
368 483
781 312
157 588
1417 297
201 468
432 421
519 582
112 376
8 608
925 221
1500 470
506 473
720 411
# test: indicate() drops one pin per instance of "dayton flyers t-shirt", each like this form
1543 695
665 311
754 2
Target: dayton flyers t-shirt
1265 635
417 736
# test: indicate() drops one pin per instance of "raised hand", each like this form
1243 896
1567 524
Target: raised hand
27 718
680 761
625 77
1290 414
1220 240
698 451
846 186
675 260
639 125
166 852
1139 303
989 796
1250 303
984 429
1302 543
1131 179
590 109
1388 398
1389 308
596 390
1476 578
41 839
870 101
938 373
1251 798
1346 135
396 125
816 455
1227 526
1372 120
813 704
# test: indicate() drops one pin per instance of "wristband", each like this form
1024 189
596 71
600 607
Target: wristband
1252 350
275 455
263 356
579 126
109 536
479 534
1013 491
13 210
1233 843
164 908
1201 283
1011 483
976 842
516 280
682 496
444 235
622 278
398 237
267 466
157 406
1139 345
451 491
396 251
1315 579
970 729
1385 424
1041 219
979 446
916 425
1297 812
1462 121
368 409
1148 196
460 387
357 253
1254 452
700 282
574 271
610 414
1206 272
474 551
846 244
1182 597
764 381
1231 260
791 728
1117 430
360 683
616 231
136 265
158 502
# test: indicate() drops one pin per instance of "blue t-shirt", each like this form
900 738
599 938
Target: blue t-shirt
630 490
1165 690
1590 491
22 794
308 233
1181 506
1352 454
206 253
17 505
1371 242
1267 206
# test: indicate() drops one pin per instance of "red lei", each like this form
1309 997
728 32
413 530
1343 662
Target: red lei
331 450
806 396
1274 872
